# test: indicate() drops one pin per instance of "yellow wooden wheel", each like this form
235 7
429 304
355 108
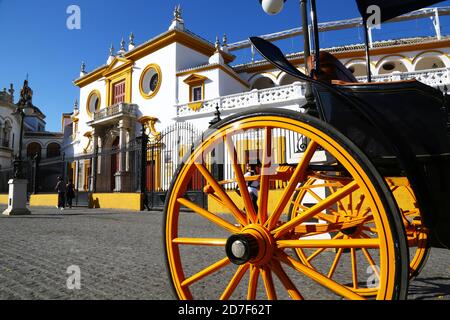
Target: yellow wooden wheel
226 252
329 182
417 234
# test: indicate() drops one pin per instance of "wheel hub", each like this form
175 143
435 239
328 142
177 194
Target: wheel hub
241 248
254 245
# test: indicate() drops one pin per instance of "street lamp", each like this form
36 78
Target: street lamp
17 199
272 7
20 111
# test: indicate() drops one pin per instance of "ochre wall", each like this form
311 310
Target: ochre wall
43 200
4 198
127 201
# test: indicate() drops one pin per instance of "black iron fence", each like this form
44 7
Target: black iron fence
146 165
5 176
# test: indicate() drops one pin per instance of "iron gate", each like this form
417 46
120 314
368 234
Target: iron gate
164 153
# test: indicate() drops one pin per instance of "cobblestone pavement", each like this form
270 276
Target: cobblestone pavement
119 255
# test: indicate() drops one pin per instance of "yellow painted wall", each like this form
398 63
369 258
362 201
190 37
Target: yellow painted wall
274 197
4 198
43 200
127 201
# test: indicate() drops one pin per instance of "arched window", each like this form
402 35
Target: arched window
263 83
6 141
288 79
428 63
393 66
358 69
32 149
53 150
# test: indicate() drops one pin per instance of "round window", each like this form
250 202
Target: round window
93 104
150 81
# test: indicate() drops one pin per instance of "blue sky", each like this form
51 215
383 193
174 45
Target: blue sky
34 38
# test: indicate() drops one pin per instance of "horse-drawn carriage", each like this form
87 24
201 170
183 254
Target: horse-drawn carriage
361 204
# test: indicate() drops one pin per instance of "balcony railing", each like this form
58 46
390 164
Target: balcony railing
121 109
434 77
278 95
285 95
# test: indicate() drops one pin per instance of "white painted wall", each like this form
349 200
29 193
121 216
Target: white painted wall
81 141
188 58
160 106
229 85
6 110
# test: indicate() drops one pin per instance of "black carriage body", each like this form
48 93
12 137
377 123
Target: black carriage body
403 128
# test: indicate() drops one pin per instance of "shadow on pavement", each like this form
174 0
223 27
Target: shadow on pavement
429 288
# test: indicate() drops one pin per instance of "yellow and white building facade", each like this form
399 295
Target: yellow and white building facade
178 77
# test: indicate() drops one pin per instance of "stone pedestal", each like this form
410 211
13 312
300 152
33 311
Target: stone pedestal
17 200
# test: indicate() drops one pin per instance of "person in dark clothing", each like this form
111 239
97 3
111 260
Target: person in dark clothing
253 186
61 189
70 193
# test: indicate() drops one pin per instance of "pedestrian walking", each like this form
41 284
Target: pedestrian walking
253 186
70 193
61 189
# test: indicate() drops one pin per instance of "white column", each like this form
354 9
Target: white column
123 126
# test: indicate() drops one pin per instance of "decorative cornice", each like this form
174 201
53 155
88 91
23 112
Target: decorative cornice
185 38
195 78
111 71
350 52
91 77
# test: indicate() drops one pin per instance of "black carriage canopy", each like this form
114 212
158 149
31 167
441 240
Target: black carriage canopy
392 8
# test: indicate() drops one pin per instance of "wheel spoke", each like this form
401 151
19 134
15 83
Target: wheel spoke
319 228
319 251
240 180
265 181
371 261
287 283
222 194
315 195
206 272
208 215
319 186
350 243
319 278
354 269
301 254
234 282
213 242
350 205
308 214
268 283
340 205
253 283
297 176
335 263
360 203
316 253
